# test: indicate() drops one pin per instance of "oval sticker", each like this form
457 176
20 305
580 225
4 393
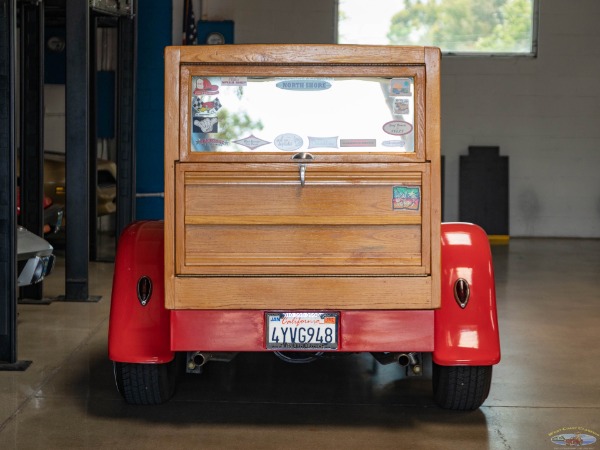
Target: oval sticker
304 85
397 127
288 142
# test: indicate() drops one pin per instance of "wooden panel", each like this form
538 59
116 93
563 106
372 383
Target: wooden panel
310 293
285 248
302 54
433 126
253 221
244 214
172 111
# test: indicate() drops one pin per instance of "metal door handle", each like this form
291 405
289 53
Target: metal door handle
302 168
303 155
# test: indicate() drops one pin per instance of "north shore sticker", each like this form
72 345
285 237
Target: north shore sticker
304 85
406 198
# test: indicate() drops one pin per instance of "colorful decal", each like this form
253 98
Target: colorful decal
397 127
206 125
304 85
401 106
202 108
205 144
406 197
323 142
204 86
358 143
400 86
288 142
398 143
574 437
234 81
252 142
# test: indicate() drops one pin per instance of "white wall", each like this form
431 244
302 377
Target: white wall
543 112
274 21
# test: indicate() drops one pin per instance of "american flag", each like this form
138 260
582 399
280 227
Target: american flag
189 24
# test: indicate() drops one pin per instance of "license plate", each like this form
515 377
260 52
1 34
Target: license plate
302 331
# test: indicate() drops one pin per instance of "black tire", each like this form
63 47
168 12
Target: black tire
147 384
462 388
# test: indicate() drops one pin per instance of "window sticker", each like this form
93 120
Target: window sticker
323 142
400 87
401 106
397 127
304 85
396 143
406 197
203 143
206 125
234 81
358 143
205 108
205 86
252 142
288 142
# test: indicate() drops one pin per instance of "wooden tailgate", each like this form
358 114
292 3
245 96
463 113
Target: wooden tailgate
250 231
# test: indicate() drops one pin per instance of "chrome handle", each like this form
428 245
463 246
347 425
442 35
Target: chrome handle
302 169
303 155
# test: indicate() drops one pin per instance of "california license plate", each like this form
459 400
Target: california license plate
302 331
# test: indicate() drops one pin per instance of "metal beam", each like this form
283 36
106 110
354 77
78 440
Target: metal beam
127 43
77 151
32 126
8 220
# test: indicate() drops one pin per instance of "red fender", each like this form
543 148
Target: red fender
137 333
466 336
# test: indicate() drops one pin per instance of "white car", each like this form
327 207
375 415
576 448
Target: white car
34 257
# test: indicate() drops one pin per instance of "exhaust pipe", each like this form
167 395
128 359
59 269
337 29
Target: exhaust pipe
196 360
409 360
404 359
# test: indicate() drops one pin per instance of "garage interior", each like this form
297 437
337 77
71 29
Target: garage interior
541 112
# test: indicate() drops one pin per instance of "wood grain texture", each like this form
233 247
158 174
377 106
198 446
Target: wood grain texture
302 54
433 132
172 59
310 293
234 220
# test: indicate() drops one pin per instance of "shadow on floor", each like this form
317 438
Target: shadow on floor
260 390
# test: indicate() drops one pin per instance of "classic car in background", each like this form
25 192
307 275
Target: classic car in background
35 260
53 213
55 184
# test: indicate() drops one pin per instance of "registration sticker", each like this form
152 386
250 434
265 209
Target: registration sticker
302 331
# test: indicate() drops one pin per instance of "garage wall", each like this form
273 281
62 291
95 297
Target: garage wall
543 112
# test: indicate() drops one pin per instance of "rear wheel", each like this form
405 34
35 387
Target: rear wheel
147 384
461 388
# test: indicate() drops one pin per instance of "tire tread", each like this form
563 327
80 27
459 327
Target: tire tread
461 388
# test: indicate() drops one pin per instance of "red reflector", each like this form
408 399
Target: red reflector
461 292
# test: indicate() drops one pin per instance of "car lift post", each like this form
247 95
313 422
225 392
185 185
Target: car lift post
126 69
77 152
31 57
8 222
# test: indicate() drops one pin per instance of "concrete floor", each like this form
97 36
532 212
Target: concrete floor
547 382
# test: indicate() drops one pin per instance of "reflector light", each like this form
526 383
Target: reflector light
144 290
461 292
